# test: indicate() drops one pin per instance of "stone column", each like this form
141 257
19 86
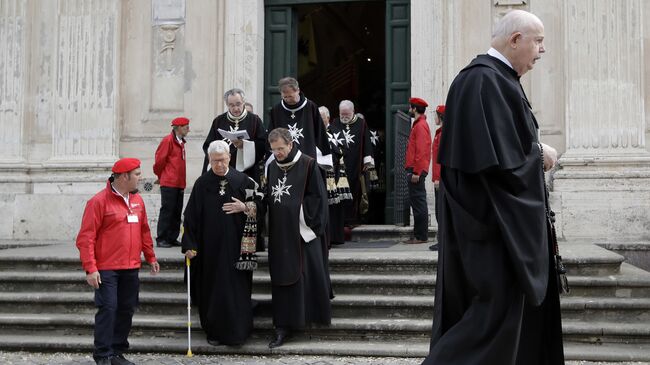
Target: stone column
244 50
85 95
604 184
13 64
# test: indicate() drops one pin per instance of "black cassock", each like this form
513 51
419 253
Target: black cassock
357 150
256 133
222 293
496 299
305 124
298 263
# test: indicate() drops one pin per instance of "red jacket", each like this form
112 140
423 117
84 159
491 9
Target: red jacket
418 151
170 162
106 241
435 166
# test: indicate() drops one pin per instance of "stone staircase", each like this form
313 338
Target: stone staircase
383 305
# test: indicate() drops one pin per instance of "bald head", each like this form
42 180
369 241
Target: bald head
519 36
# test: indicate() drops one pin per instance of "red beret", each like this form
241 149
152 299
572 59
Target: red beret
180 121
418 102
440 109
125 165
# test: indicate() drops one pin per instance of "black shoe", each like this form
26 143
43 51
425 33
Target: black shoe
434 247
120 360
280 336
176 243
102 361
163 244
214 342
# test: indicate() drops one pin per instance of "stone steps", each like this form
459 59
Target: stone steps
301 345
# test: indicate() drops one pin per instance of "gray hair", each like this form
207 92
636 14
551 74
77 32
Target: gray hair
346 104
232 92
218 146
324 110
515 21
289 82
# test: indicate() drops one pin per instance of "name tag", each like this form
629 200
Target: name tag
132 218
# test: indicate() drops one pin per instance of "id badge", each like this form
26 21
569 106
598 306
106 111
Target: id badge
132 218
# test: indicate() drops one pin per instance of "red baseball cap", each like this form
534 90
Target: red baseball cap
440 109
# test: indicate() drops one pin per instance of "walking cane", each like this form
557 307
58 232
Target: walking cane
189 321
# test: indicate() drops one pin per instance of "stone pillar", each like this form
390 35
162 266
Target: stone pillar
244 50
85 95
13 64
604 182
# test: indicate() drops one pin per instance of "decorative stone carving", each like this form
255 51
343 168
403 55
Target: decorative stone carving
12 82
85 111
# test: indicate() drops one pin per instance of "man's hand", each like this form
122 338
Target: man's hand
93 279
155 267
238 143
415 179
190 254
550 157
236 207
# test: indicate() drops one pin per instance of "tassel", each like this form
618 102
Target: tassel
343 185
374 179
332 191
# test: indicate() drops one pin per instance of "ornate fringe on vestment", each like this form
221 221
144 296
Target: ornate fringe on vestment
332 190
343 186
247 258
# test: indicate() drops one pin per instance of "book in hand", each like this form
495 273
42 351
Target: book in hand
233 135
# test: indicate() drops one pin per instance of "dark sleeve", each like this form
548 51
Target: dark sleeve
315 200
485 123
192 218
260 140
367 145
212 136
320 133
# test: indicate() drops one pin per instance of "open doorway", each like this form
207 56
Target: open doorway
342 55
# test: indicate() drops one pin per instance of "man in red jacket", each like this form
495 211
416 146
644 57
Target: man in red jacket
418 157
169 166
114 232
435 166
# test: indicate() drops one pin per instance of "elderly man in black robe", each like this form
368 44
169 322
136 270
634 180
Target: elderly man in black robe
496 299
357 153
297 207
245 153
219 238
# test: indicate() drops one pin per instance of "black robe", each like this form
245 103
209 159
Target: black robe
306 127
496 301
256 133
299 272
356 151
222 293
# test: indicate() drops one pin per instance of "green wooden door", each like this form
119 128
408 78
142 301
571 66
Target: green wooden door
398 85
280 51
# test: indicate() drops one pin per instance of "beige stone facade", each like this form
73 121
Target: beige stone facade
83 82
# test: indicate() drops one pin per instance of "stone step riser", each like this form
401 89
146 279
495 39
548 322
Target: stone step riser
609 291
336 266
259 288
600 339
623 315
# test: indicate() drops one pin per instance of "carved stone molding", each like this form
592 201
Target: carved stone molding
12 83
85 111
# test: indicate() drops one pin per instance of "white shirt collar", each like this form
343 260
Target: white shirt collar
496 54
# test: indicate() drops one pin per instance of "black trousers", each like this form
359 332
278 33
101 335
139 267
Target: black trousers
116 300
169 220
418 201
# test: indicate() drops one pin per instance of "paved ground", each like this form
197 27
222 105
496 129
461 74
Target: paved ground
24 358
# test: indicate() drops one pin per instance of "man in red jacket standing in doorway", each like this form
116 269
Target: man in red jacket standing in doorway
114 233
169 166
418 158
